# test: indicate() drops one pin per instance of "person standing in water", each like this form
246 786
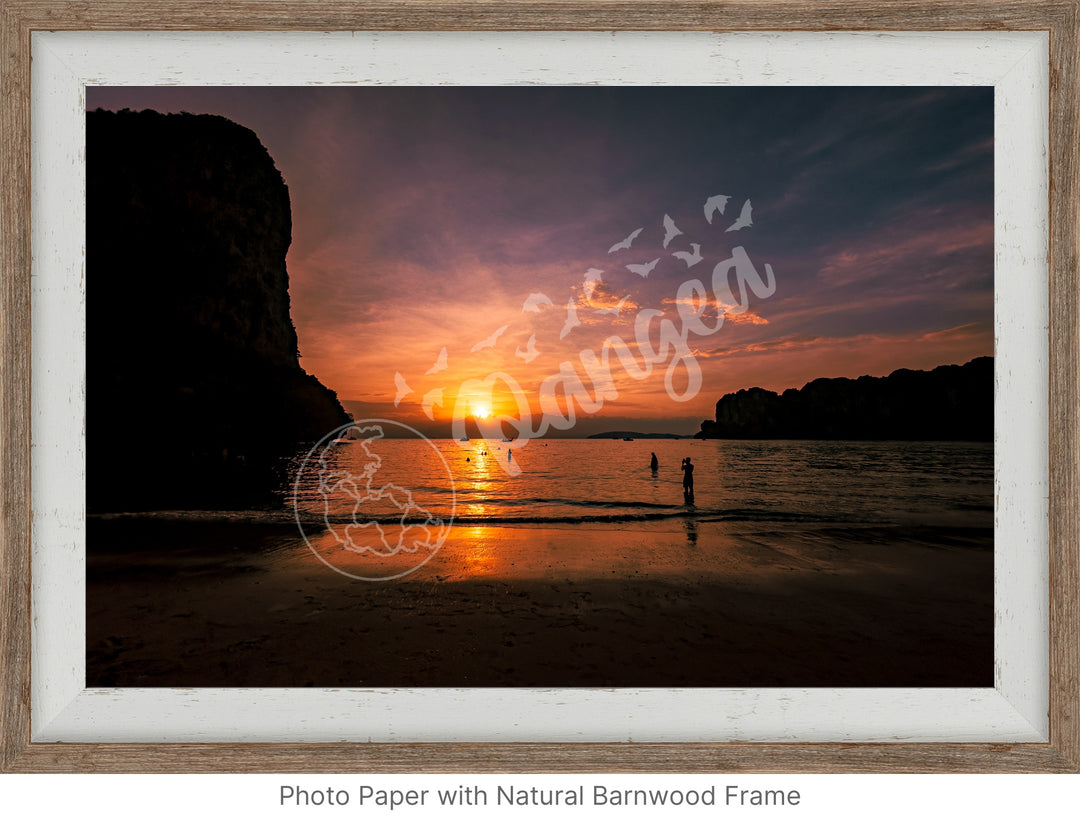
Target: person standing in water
688 477
654 464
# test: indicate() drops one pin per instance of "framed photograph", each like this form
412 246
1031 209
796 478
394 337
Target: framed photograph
550 387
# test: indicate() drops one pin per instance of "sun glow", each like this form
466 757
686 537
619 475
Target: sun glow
481 412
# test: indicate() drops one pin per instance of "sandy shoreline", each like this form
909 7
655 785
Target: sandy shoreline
679 604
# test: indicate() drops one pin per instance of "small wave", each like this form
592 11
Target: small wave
313 519
706 515
513 502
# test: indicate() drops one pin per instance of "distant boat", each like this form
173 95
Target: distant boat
628 439
507 440
464 439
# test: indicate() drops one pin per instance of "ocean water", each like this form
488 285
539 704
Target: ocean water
609 481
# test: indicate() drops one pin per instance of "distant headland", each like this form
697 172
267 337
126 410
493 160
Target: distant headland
637 435
951 402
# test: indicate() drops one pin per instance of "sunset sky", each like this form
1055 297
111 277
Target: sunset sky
423 219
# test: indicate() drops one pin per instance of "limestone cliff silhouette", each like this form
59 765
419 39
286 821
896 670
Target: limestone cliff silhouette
951 402
194 389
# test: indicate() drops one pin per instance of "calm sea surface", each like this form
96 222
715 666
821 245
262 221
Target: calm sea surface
593 481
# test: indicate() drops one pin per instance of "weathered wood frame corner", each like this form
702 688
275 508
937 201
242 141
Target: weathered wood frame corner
20 18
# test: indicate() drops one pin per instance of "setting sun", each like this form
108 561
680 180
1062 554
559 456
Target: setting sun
481 412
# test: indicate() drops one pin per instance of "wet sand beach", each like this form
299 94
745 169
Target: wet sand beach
174 602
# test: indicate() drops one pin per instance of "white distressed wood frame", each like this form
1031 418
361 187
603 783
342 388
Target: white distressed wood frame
1015 710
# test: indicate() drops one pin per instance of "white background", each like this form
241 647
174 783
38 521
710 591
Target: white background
112 801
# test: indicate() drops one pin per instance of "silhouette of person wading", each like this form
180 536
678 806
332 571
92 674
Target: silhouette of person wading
688 478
